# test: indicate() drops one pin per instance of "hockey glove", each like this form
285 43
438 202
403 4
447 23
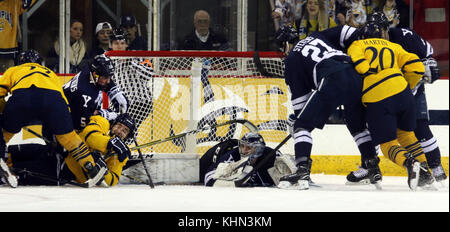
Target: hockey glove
108 114
432 71
119 147
118 99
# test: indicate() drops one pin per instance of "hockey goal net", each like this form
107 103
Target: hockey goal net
171 92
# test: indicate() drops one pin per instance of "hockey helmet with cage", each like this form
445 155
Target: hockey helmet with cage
102 66
118 34
29 56
250 142
127 121
371 30
378 18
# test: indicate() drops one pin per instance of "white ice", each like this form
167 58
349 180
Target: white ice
332 196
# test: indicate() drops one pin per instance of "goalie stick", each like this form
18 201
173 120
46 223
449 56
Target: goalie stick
244 122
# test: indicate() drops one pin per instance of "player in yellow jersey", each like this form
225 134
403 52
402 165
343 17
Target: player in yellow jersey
389 73
37 164
37 96
108 139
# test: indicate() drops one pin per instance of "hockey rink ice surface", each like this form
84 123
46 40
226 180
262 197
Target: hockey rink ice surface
332 196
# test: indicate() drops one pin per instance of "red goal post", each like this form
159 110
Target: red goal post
172 92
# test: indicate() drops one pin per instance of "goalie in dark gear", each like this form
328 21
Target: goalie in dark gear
223 163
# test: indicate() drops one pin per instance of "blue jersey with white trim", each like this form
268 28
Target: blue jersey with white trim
300 65
84 98
411 42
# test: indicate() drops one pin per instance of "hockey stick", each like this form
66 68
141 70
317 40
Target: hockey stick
245 122
150 182
266 158
260 67
50 178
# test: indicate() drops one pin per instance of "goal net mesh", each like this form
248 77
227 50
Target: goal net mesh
172 92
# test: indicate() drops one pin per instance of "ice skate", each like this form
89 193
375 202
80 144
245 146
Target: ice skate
299 180
369 173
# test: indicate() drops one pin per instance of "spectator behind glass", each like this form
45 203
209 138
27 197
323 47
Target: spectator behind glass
78 50
135 41
357 12
203 37
389 8
316 18
337 11
284 12
102 32
10 10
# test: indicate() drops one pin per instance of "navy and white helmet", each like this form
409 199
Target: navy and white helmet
251 139
29 56
128 121
102 66
118 34
378 18
372 30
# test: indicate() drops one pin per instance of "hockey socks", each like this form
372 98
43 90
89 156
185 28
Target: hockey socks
365 145
429 143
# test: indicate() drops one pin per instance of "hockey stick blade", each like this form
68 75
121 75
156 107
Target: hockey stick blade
244 122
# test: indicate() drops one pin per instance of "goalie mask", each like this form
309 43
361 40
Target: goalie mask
123 126
250 144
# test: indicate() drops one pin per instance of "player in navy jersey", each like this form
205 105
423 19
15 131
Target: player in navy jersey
321 77
413 43
84 92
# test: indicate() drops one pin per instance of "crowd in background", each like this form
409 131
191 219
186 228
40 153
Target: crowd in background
306 16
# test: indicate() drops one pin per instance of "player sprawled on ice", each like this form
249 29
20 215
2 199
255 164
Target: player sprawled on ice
231 160
37 164
321 77
37 97
413 43
389 73
84 92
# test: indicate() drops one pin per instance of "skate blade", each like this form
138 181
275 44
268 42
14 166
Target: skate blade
362 182
378 185
10 179
414 182
365 182
300 185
